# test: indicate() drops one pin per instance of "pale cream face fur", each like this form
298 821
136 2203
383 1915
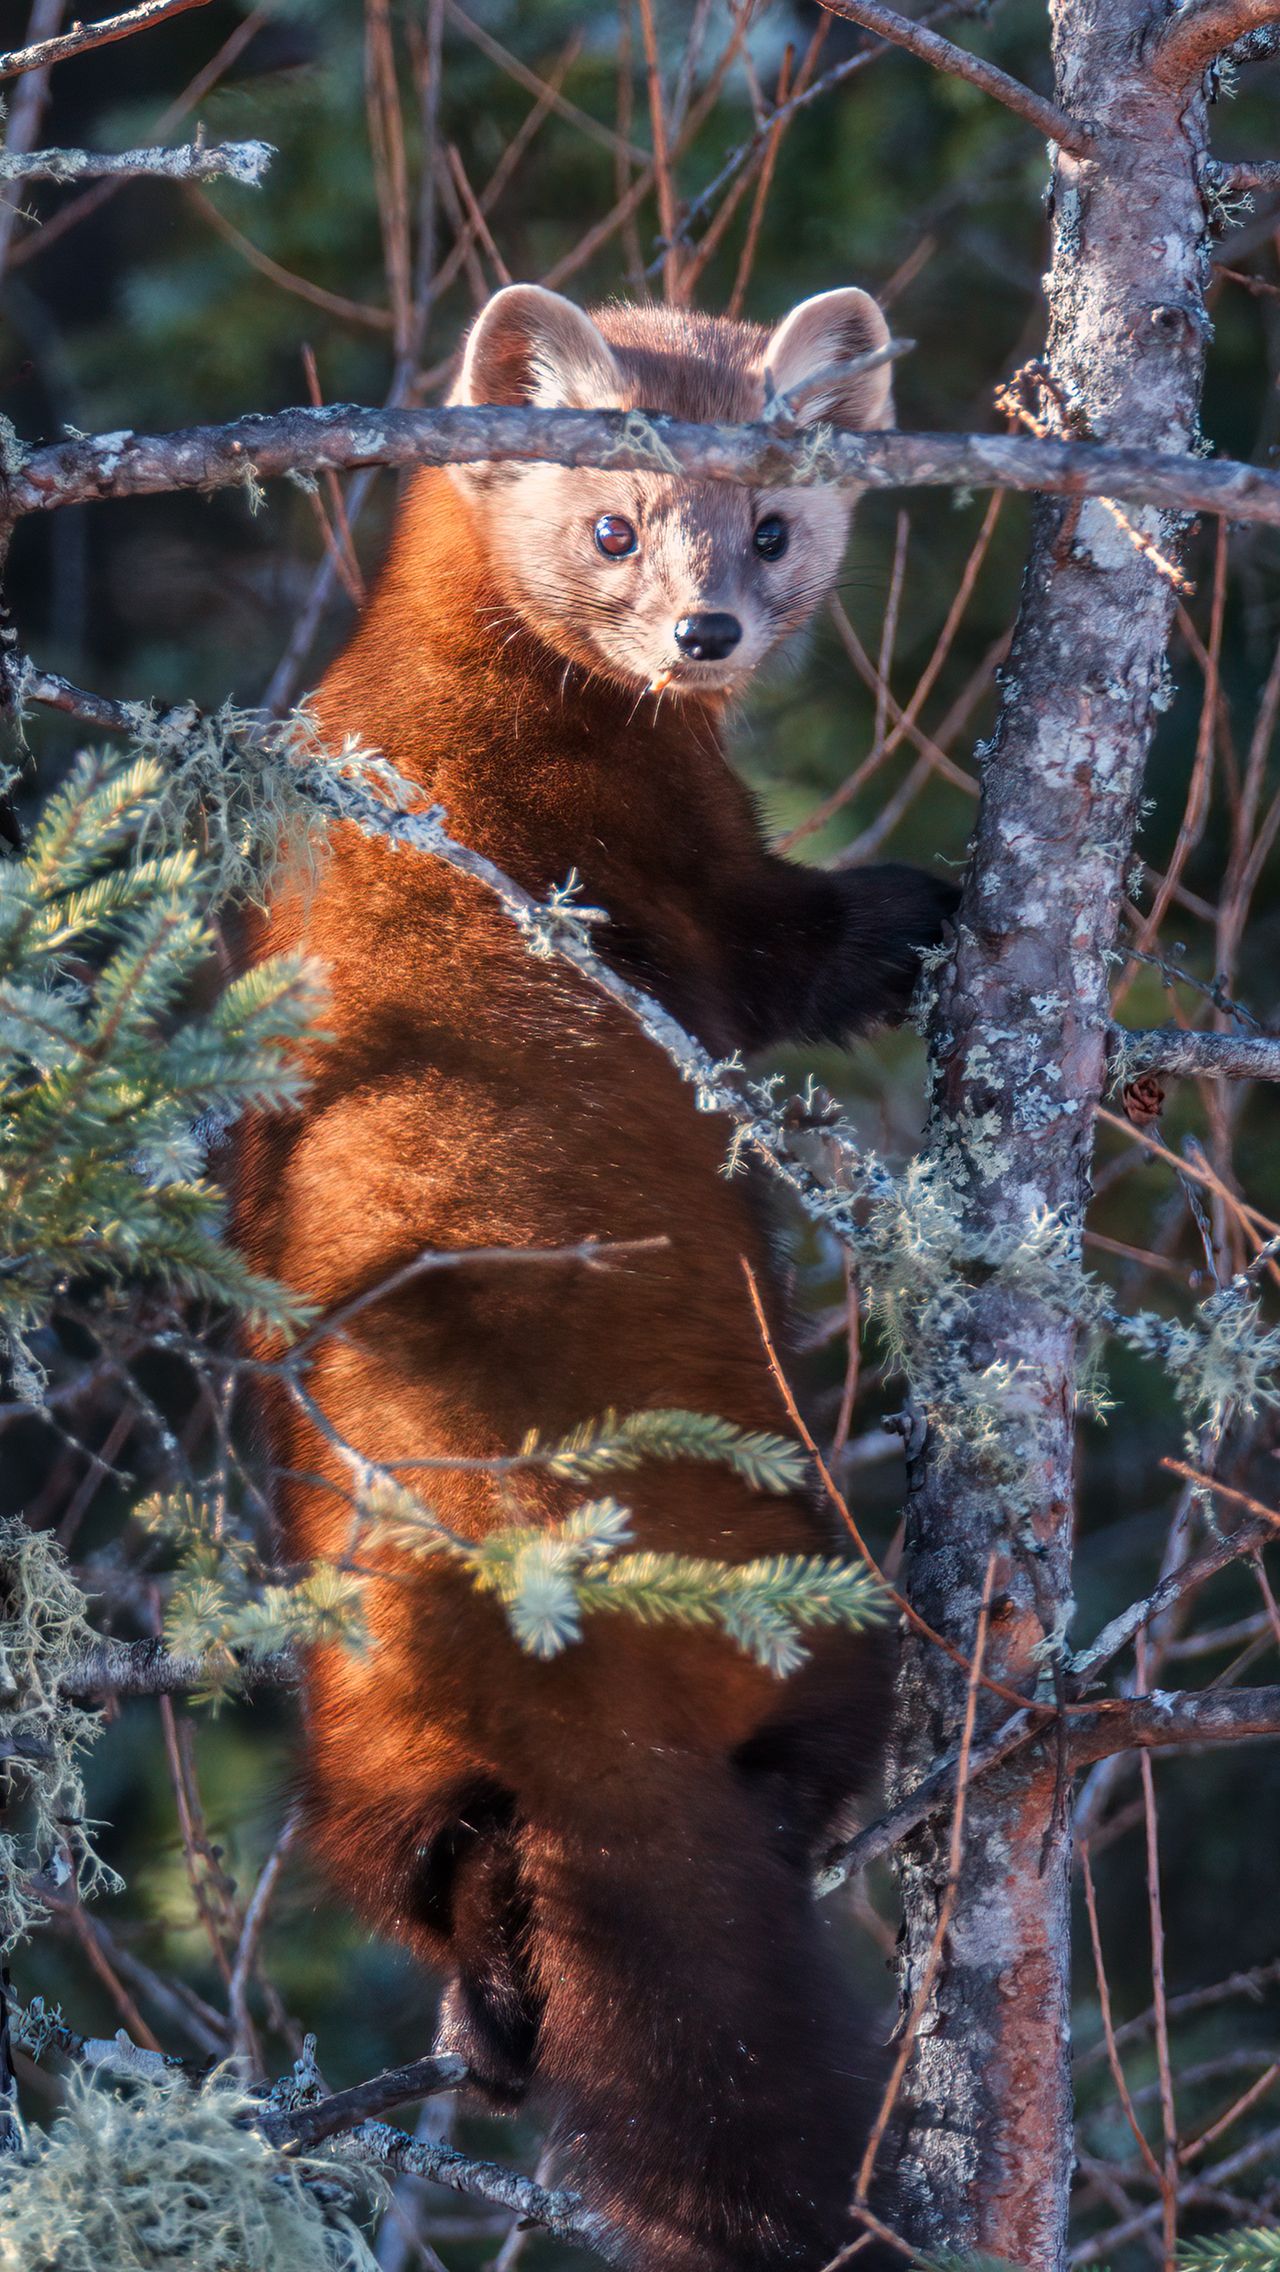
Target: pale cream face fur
695 551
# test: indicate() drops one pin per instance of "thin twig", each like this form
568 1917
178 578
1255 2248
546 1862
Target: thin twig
82 37
318 295
944 55
1168 2175
1108 2029
246 1955
662 166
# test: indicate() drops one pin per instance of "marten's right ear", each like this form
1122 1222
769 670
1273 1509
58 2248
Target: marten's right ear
815 354
529 345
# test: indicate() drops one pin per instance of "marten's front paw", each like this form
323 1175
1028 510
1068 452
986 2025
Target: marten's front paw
899 912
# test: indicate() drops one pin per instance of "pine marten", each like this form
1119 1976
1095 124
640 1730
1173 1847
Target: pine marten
607 1854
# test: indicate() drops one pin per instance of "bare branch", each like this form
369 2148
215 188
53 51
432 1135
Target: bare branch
255 1918
1045 116
303 2127
1197 34
1171 1049
1242 175
148 1668
929 1797
82 37
515 69
259 448
25 113
561 2212
1164 1721
1160 1721
244 162
1186 1579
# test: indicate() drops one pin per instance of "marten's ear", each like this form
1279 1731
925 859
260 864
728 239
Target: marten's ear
531 346
813 356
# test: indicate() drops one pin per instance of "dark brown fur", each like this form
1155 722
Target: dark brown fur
608 1854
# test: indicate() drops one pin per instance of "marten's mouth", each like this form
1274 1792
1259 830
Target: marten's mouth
686 677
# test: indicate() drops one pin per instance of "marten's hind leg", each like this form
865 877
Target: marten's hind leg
468 1892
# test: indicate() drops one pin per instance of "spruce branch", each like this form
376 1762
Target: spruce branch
610 1445
548 1577
102 1075
1242 2251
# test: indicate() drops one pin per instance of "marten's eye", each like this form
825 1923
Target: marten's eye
772 537
615 537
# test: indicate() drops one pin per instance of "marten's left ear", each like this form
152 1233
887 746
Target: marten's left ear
528 345
813 356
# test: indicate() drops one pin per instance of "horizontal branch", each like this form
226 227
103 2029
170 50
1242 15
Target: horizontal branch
930 1797
148 1668
1241 176
1198 33
303 2127
1166 1721
82 37
245 162
561 2213
258 448
1171 1049
1171 1721
1054 124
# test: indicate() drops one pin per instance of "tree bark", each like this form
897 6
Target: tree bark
1018 1050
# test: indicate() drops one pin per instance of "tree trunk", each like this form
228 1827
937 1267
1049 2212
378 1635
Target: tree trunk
1018 1053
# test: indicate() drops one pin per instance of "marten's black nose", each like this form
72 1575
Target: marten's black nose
707 638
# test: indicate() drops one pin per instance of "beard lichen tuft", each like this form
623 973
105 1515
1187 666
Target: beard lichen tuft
167 2174
42 1627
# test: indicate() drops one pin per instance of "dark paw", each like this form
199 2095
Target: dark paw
898 912
496 2037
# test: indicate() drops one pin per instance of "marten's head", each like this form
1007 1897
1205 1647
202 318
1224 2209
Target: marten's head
650 578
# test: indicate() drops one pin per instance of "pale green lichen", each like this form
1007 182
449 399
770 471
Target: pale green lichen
236 783
1220 1360
168 2174
42 1628
639 436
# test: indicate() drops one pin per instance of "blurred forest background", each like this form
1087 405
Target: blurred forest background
153 305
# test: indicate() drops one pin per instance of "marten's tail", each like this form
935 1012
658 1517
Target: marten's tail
679 2001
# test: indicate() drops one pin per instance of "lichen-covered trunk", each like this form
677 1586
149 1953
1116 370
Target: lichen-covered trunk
1018 1051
